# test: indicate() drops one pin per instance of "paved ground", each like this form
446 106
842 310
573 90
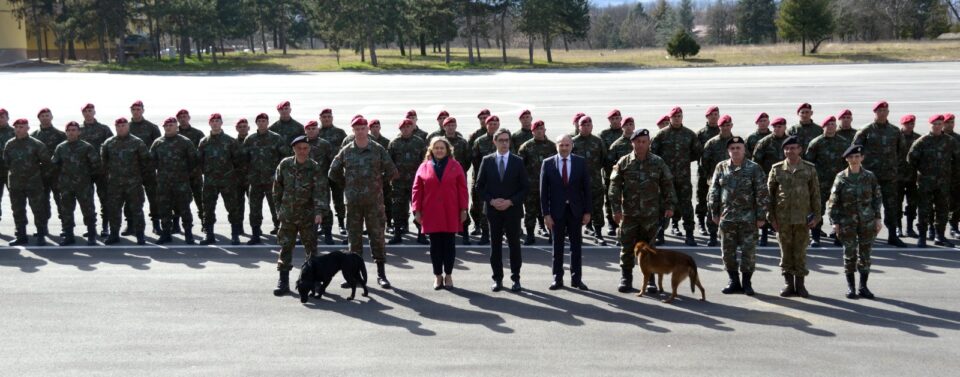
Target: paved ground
208 310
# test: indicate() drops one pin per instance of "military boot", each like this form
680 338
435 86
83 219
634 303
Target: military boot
21 237
176 226
343 229
733 284
801 287
466 237
382 276
283 284
910 230
922 236
789 289
652 284
612 232
626 280
748 283
484 236
327 236
68 238
155 223
476 230
900 232
541 227
598 234
126 230
210 238
676 229
141 239
235 234
931 232
660 238
690 241
814 237
41 235
188 235
701 220
275 230
764 232
105 231
953 229
531 238
892 239
851 287
421 238
165 234
864 291
713 238
397 236
942 240
114 236
91 235
254 235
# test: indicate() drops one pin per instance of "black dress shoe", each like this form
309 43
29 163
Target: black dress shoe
516 287
497 286
556 285
580 286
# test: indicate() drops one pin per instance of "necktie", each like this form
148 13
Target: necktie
502 168
564 172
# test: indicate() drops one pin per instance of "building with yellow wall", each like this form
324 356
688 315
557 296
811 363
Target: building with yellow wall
13 35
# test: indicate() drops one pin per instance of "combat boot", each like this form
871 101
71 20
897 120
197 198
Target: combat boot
612 232
814 237
21 237
235 234
701 220
910 230
864 291
68 238
343 229
382 276
626 280
484 236
789 289
188 235
801 287
900 232
690 241
953 229
713 239
476 230
942 240
141 240
676 229
113 238
598 234
764 232
327 237
531 238
91 235
922 238
748 283
275 230
126 230
466 237
892 239
211 238
421 238
165 234
41 235
175 229
541 227
397 236
652 284
283 284
254 235
851 287
105 232
660 238
155 223
733 284
931 232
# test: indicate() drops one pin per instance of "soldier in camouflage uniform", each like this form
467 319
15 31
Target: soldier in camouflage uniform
610 135
412 117
361 168
907 180
482 117
26 159
704 134
377 137
593 150
524 133
263 150
794 209
334 135
619 148
471 139
763 129
715 151
461 153
218 157
301 191
147 132
174 157
243 188
768 152
855 214
882 146
196 173
934 157
286 126
481 147
6 133
441 117
533 152
678 146
126 161
738 200
77 161
845 125
806 130
826 152
948 129
641 193
51 137
95 133
576 123
407 153
322 153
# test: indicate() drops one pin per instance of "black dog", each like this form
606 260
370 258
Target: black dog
317 272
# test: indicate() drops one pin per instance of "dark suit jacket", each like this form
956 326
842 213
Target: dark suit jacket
554 196
514 185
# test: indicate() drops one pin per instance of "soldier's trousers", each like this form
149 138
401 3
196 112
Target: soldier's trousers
371 215
531 209
3 184
257 194
740 235
149 188
211 192
793 239
100 181
130 195
934 205
632 230
242 191
892 207
955 203
336 194
196 188
400 195
606 198
684 201
50 186
173 200
39 205
596 188
68 204
857 242
702 190
476 206
387 198
287 238
907 191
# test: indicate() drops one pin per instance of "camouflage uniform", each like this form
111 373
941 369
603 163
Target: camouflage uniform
714 151
481 147
609 136
934 159
263 153
518 138
51 137
322 152
243 187
739 197
300 190
127 162
436 133
77 161
218 157
148 133
619 148
593 150
175 158
907 180
753 140
406 154
703 171
95 134
794 195
387 186
336 136
287 129
855 207
954 187
26 159
679 146
769 151
533 152
420 133
361 172
827 154
806 132
196 173
6 133
642 190
882 146
849 133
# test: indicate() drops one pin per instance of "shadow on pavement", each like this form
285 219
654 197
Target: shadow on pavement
441 312
854 313
367 309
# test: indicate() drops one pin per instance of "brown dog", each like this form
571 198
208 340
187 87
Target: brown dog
679 265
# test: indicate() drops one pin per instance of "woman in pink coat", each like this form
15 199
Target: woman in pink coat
439 203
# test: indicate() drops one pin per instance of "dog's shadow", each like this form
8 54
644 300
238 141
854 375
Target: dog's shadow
367 309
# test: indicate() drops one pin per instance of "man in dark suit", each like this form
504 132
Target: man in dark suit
566 205
502 183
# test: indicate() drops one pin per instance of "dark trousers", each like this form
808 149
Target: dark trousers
443 252
571 227
505 222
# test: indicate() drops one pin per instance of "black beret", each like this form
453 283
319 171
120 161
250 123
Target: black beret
299 139
790 140
640 132
735 140
853 149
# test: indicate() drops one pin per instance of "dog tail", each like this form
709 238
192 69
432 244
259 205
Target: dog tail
694 276
363 273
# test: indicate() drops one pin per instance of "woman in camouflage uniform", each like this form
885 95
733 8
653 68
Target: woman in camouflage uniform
855 213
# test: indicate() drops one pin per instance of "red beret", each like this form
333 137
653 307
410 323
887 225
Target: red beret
449 120
674 111
87 106
492 118
909 118
778 120
761 116
71 124
577 116
43 110
405 122
624 121
137 103
828 120
242 121
584 120
711 109
355 117
182 112
948 117
120 120
844 113
665 118
411 113
170 120
326 111
215 116
613 113
537 124
4 112
371 122
358 121
524 112
311 123
282 105
725 119
262 116
881 104
443 114
20 121
804 106
483 113
934 118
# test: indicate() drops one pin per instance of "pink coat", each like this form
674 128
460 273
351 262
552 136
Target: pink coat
440 202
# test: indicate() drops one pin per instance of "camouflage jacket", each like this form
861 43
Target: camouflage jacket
706 133
288 129
642 188
219 155
322 152
300 191
518 138
934 159
175 158
955 184
77 161
379 139
95 134
854 198
476 135
441 132
263 153
25 160
481 147
533 152
610 135
753 140
362 172
678 146
882 146
6 133
738 193
126 160
769 151
805 132
193 134
714 151
335 136
619 148
418 132
241 164
592 149
51 138
407 155
461 150
145 130
907 172
848 133
827 154
794 193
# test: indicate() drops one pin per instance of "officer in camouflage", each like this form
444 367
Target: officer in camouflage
934 157
77 161
412 117
263 150
377 137
845 124
704 134
95 133
907 180
763 129
441 117
533 152
826 152
407 153
6 133
593 150
678 146
524 133
51 137
196 173
715 150
147 132
174 157
243 188
218 156
610 135
481 147
322 153
619 148
127 162
794 209
882 147
948 128
286 126
334 135
26 159
768 152
806 130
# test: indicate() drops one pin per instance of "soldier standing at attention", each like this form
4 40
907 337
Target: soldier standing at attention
715 151
794 209
767 153
826 153
592 149
301 191
440 119
481 147
948 125
855 214
845 127
882 147
907 180
322 153
334 135
196 173
377 137
576 123
461 153
286 126
127 162
704 134
533 152
806 130
243 129
26 159
934 157
663 122
361 168
738 201
77 161
51 137
95 133
6 133
147 132
617 149
407 153
174 157
610 135
219 154
412 116
641 193
482 117
763 129
524 133
263 150
678 146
